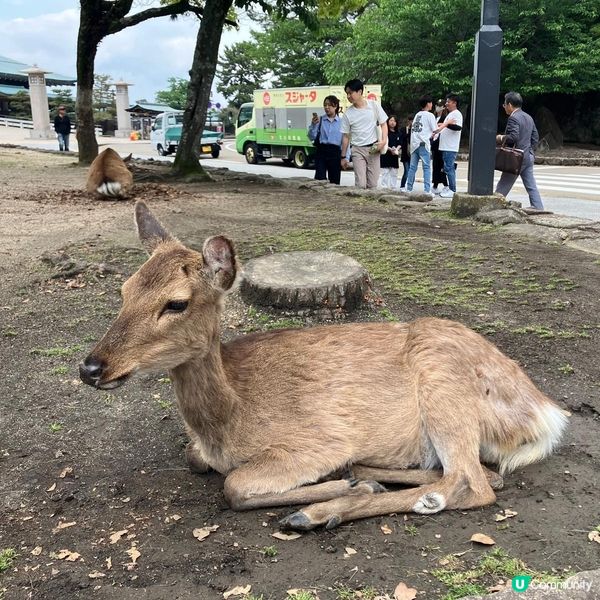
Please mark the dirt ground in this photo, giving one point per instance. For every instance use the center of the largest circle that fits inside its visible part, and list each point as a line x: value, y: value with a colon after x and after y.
x: 96, y: 500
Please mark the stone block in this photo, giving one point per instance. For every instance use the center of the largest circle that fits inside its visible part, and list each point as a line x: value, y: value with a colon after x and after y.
x: 466, y: 205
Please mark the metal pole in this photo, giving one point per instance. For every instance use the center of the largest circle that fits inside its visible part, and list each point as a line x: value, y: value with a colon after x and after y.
x: 484, y: 102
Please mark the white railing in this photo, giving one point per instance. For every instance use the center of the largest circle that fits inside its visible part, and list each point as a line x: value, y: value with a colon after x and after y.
x: 20, y: 123
x: 24, y: 124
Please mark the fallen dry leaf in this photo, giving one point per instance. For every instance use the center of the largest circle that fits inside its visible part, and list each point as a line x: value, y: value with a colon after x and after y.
x: 238, y: 590
x: 594, y: 536
x: 66, y: 471
x: 109, y: 563
x: 286, y: 536
x: 481, y: 538
x: 403, y: 592
x: 68, y: 555
x: 201, y: 533
x: 385, y: 530
x: 96, y: 575
x: 349, y: 552
x: 134, y: 553
x: 37, y: 551
x: 51, y: 488
x: 117, y: 535
x: 63, y: 525
x: 507, y: 515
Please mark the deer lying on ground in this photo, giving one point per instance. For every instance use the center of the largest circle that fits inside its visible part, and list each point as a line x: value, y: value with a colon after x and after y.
x: 279, y: 413
x: 109, y: 176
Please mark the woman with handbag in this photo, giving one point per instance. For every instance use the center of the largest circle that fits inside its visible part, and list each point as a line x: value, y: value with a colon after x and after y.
x: 389, y: 161
x: 325, y: 133
x: 521, y: 133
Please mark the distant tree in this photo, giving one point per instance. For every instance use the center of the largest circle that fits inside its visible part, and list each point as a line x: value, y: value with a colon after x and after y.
x: 19, y: 106
x: 242, y: 70
x: 61, y: 97
x: 549, y: 45
x: 104, y: 98
x: 176, y: 95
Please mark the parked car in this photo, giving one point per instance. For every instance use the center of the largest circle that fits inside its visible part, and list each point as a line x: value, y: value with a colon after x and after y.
x: 166, y: 133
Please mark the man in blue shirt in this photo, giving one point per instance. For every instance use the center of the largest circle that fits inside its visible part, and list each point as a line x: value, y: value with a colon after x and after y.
x: 326, y: 134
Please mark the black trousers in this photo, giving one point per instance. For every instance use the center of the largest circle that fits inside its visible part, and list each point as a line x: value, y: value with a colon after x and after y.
x: 328, y: 163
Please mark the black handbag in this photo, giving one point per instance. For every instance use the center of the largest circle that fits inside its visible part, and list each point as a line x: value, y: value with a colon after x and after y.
x: 508, y: 160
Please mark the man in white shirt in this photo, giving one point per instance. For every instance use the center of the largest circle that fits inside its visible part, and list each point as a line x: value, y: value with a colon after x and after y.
x: 360, y: 122
x: 423, y: 127
x: 450, y: 131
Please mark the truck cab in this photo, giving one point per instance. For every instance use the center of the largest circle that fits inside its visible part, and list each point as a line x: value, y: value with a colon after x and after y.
x: 166, y: 133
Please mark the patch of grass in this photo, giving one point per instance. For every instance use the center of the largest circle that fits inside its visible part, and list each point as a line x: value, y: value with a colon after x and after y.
x: 411, y: 530
x: 494, y: 565
x: 7, y: 557
x: 164, y: 380
x: 61, y: 370
x: 164, y: 404
x: 55, y: 427
x: 547, y: 333
x: 388, y: 315
x: 9, y: 333
x: 61, y: 351
x: 270, y: 551
x: 490, y: 328
x: 265, y: 322
x: 566, y: 369
x: 89, y: 339
x: 301, y: 595
x: 343, y: 592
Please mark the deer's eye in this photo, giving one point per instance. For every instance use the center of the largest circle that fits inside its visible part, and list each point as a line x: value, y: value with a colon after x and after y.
x: 175, y: 306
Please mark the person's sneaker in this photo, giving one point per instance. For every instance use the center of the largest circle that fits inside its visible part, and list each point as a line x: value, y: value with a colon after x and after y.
x: 448, y: 193
x: 403, y: 189
x: 436, y: 191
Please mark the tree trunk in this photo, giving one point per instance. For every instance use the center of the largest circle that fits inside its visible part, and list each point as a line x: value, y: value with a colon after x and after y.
x: 201, y: 77
x: 92, y: 29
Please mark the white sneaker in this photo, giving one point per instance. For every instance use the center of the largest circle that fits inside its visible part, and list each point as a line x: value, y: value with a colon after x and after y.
x: 447, y: 193
x: 403, y: 189
x: 437, y: 191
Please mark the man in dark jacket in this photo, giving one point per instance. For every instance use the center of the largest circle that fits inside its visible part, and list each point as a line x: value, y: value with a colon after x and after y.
x: 62, y: 126
x: 522, y: 134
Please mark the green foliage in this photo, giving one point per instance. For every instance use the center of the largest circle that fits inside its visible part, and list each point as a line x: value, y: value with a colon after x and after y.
x: 20, y: 106
x: 7, y: 556
x: 549, y: 46
x: 287, y: 50
x: 103, y: 98
x: 176, y: 95
x: 61, y: 97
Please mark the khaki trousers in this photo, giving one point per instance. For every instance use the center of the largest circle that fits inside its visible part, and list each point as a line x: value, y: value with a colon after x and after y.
x: 366, y: 167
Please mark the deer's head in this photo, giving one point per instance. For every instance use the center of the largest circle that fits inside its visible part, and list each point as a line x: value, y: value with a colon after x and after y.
x: 171, y: 307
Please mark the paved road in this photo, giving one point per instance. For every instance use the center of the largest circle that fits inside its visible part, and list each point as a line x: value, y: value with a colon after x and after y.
x: 573, y: 191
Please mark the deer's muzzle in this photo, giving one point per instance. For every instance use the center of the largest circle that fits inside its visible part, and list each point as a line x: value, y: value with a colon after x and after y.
x: 91, y: 372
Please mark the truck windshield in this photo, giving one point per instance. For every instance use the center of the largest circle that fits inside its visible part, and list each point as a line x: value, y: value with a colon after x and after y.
x: 179, y: 119
x: 245, y: 115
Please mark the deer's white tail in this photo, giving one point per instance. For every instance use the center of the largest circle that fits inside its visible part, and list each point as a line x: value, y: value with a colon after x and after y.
x: 110, y: 188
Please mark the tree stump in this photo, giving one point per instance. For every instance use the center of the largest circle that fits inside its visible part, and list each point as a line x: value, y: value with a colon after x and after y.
x: 300, y: 280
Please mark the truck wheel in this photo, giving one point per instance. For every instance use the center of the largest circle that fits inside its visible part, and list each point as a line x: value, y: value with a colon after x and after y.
x: 215, y: 151
x: 251, y: 153
x: 161, y: 150
x: 299, y: 158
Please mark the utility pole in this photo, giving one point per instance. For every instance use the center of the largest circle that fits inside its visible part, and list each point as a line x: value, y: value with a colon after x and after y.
x: 484, y: 101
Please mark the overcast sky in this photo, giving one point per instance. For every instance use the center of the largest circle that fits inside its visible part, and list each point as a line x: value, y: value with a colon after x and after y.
x: 44, y: 32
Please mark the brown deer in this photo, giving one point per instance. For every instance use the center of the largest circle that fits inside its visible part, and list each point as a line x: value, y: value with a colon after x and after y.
x: 280, y: 413
x: 108, y: 175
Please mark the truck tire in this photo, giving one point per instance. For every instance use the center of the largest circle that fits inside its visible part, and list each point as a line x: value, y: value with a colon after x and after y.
x: 161, y: 150
x: 299, y: 158
x: 216, y: 150
x: 251, y: 153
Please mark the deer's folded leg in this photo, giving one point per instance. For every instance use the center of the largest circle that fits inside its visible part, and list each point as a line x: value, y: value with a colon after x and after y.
x: 273, y: 480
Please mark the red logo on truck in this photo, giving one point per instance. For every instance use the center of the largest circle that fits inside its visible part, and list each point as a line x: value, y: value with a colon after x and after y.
x: 371, y: 96
x: 267, y: 98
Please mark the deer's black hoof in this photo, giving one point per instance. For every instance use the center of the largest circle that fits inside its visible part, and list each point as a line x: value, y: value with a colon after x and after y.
x: 298, y: 521
x: 333, y: 522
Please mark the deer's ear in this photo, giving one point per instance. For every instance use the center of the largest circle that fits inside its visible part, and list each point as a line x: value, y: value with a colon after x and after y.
x: 151, y: 232
x: 220, y: 260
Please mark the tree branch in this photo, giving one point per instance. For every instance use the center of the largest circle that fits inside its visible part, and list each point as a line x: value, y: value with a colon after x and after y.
x: 176, y: 8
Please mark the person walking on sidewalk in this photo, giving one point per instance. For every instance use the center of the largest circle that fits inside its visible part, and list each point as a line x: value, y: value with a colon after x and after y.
x: 360, y: 123
x: 521, y: 133
x: 62, y: 126
x: 326, y: 135
x: 423, y: 127
x: 450, y: 131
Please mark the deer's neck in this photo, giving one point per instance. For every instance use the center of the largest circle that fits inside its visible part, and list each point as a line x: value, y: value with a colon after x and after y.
x: 206, y: 399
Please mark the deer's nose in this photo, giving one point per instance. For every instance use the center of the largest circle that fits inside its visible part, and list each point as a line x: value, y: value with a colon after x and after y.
x: 90, y: 370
